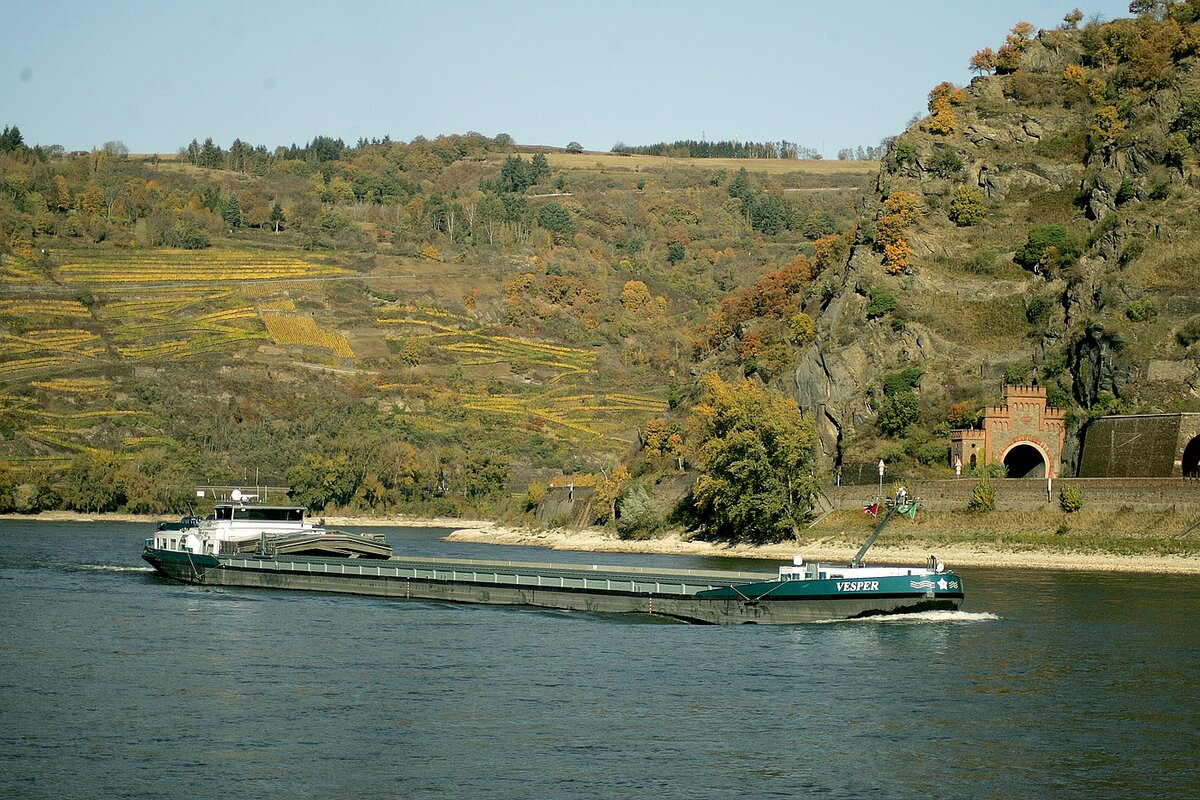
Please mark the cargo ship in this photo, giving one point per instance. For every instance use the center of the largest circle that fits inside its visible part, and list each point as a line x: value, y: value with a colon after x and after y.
x: 244, y: 544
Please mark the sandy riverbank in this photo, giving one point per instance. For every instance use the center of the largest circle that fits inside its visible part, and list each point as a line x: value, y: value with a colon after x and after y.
x: 975, y: 555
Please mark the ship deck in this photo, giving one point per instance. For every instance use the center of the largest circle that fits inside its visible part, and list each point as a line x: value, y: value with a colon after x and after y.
x: 522, y: 574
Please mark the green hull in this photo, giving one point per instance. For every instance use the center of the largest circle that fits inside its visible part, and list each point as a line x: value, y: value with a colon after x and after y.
x: 688, y: 595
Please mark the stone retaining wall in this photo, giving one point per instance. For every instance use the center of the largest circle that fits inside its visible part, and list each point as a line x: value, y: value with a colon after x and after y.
x: 1099, y: 494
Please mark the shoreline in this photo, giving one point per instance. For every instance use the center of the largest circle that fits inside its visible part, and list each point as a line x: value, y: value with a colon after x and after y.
x: 399, y: 521
x: 826, y: 548
x: 974, y: 555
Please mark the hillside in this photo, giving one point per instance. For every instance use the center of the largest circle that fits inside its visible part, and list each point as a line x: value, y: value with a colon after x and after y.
x: 1037, y: 225
x: 427, y: 327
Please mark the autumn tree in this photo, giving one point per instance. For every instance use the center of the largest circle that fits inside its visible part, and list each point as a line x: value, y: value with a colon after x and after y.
x: 757, y: 458
x: 1107, y: 125
x: 830, y: 251
x: 984, y: 61
x: 636, y: 297
x: 62, y: 194
x: 902, y: 210
x: 1008, y: 57
x: 609, y: 488
x: 942, y: 99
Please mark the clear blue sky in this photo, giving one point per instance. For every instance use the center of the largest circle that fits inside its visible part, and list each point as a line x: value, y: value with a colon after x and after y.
x: 831, y: 74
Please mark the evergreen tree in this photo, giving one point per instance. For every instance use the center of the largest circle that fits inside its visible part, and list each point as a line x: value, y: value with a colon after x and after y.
x: 210, y: 155
x: 514, y: 175
x: 277, y: 217
x: 11, y: 140
x: 556, y: 219
x: 539, y: 167
x: 233, y: 212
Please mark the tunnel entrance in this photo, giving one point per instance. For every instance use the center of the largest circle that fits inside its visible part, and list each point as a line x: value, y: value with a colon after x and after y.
x: 1191, y: 459
x: 1025, y: 461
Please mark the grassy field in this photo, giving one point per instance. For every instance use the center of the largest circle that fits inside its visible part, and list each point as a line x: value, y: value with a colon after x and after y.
x: 604, y: 160
x: 770, y: 166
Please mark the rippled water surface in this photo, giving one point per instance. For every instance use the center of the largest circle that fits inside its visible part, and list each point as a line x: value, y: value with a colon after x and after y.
x: 115, y: 683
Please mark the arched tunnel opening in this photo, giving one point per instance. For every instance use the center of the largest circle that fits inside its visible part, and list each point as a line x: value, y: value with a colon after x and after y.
x: 1191, y: 459
x: 1025, y: 461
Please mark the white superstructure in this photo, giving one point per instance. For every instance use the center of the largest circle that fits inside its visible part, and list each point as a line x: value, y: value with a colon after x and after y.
x: 231, y: 524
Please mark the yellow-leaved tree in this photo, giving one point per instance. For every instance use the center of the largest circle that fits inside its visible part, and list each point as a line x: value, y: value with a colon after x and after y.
x: 903, y: 209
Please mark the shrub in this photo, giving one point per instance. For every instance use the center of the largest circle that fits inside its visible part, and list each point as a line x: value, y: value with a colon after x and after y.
x: 1144, y: 309
x: 1041, y: 238
x: 1130, y: 252
x: 946, y: 163
x: 983, y: 496
x: 906, y: 380
x: 1127, y: 191
x: 1014, y: 374
x: 1189, y: 333
x: 983, y: 262
x: 1070, y: 498
x: 899, y: 412
x: 881, y: 302
x: 1037, y: 309
x: 966, y: 206
x: 637, y: 515
x: 1161, y: 189
x: 932, y: 453
x: 904, y: 153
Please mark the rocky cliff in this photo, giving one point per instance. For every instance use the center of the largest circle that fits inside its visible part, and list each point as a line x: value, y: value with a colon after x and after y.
x: 1038, y: 224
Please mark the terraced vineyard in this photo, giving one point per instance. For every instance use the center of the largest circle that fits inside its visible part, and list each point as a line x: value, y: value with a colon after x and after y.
x: 572, y: 406
x: 109, y: 267
x: 292, y: 329
x: 48, y: 349
x: 57, y: 436
x: 81, y: 340
x: 470, y: 344
x: 176, y: 323
x: 594, y: 414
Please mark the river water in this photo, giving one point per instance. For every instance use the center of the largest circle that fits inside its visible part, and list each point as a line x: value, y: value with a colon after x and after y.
x: 116, y: 683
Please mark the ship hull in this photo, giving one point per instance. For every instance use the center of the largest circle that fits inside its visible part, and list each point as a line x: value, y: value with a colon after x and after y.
x: 691, y: 596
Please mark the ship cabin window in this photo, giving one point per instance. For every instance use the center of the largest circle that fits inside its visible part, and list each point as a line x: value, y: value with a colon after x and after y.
x: 224, y: 512
x: 270, y: 514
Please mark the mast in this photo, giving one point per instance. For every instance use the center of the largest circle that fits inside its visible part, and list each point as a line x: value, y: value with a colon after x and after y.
x: 903, y: 503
